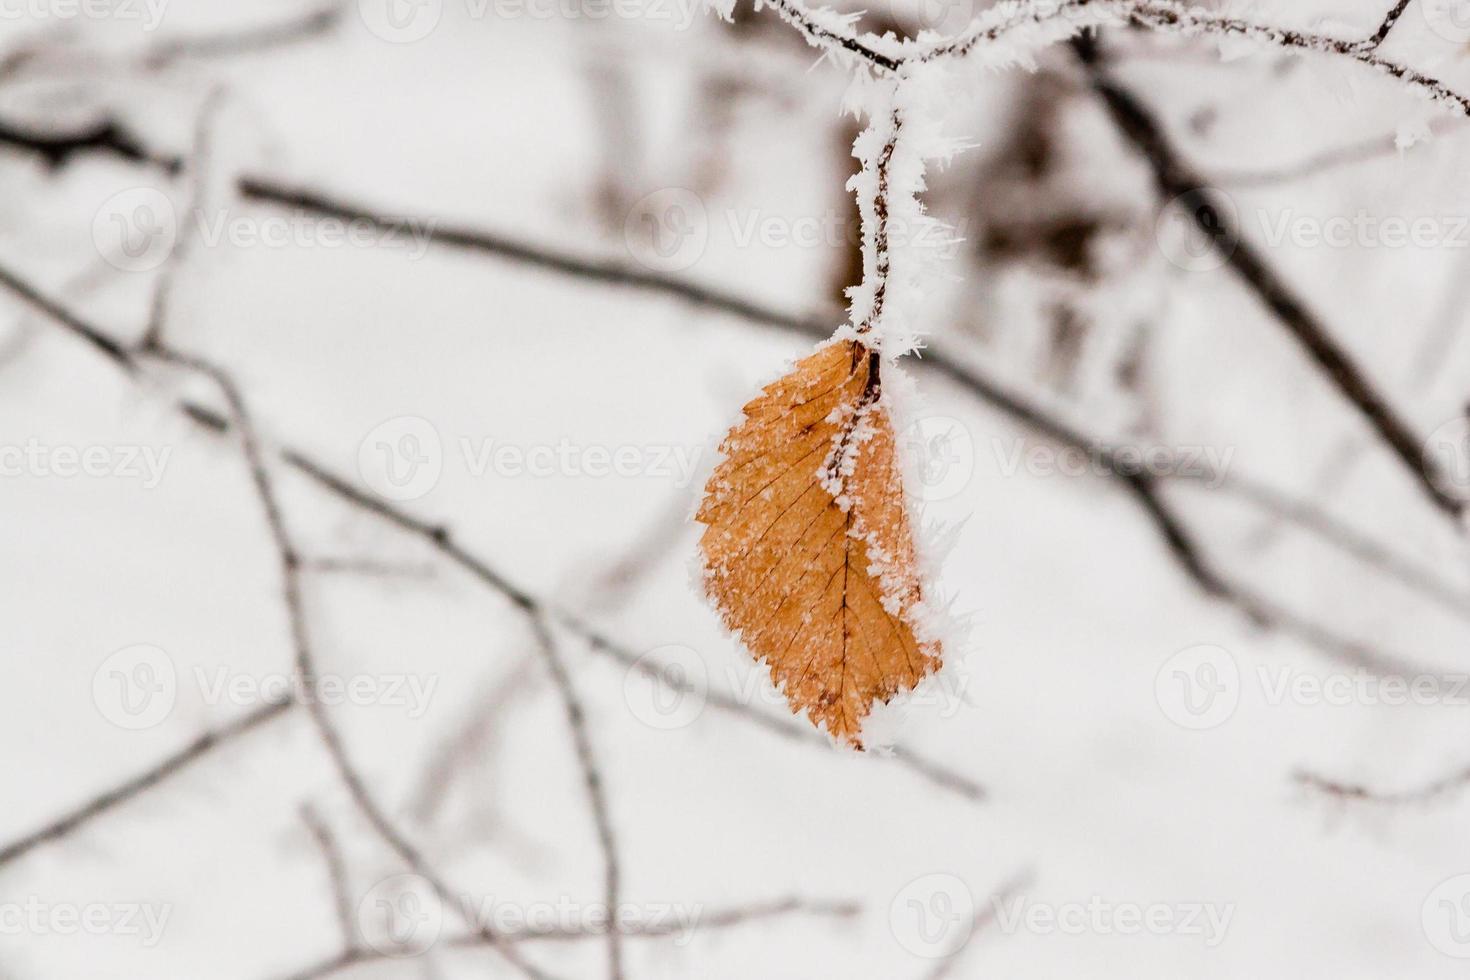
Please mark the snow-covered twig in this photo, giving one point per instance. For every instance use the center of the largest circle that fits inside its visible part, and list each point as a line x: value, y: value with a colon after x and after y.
x: 1146, y: 490
x: 1011, y: 31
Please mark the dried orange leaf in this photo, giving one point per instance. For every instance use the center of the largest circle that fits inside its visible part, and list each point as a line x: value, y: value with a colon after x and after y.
x: 808, y: 548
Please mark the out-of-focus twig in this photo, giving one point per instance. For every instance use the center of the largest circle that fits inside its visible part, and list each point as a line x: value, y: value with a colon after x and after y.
x: 442, y: 540
x: 114, y: 797
x: 1144, y: 487
x: 1307, y: 515
x: 289, y: 560
x: 984, y: 916
x: 1004, y: 21
x: 1430, y: 792
x: 1031, y: 414
x: 106, y: 135
x: 199, y: 166
x: 718, y: 920
x: 592, y: 780
x: 1326, y: 161
x: 336, y: 867
x: 372, y: 567
x: 1177, y: 181
x: 307, y: 26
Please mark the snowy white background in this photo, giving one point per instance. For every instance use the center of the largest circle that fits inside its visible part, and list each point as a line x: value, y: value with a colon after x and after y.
x: 554, y: 131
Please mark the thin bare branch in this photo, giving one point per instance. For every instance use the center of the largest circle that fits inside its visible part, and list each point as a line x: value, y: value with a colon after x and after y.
x: 289, y: 560
x: 370, y: 567
x: 305, y: 27
x: 718, y: 920
x: 72, y: 821
x: 106, y: 135
x: 984, y: 916
x: 1177, y: 181
x: 60, y: 315
x: 1431, y: 792
x: 270, y: 191
x: 1307, y: 516
x: 1067, y: 17
x: 1326, y: 161
x: 199, y: 166
x: 1143, y: 487
x: 592, y: 781
x: 336, y: 868
x: 442, y: 540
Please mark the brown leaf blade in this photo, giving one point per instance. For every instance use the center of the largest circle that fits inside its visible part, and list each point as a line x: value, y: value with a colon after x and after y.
x: 808, y: 548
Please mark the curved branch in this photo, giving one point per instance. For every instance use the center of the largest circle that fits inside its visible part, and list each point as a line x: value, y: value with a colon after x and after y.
x: 1430, y: 792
